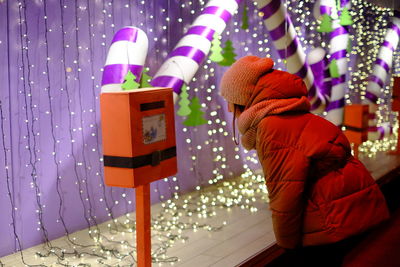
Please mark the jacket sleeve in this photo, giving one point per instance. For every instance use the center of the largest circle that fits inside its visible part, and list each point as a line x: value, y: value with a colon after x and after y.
x: 286, y: 170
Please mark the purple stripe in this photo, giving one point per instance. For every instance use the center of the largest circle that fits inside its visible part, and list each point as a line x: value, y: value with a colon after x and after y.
x: 344, y: 2
x: 219, y: 12
x: 270, y: 8
x: 338, y: 31
x: 339, y: 54
x: 187, y: 51
x: 335, y: 104
x: 318, y: 66
x: 116, y: 73
x: 372, y: 97
x: 280, y: 31
x: 395, y: 28
x: 377, y: 80
x: 388, y: 45
x: 290, y: 50
x: 238, y: 1
x: 381, y: 131
x: 302, y: 73
x: 126, y: 34
x: 339, y: 80
x: 311, y: 92
x: 316, y: 104
x: 320, y: 73
x: 326, y: 89
x: 383, y: 64
x: 168, y: 81
x: 204, y: 31
x: 325, y: 10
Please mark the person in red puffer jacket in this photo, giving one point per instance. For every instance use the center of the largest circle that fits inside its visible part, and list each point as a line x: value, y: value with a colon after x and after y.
x: 319, y: 193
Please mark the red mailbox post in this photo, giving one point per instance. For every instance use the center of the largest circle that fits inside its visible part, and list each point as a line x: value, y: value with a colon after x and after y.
x: 139, y: 147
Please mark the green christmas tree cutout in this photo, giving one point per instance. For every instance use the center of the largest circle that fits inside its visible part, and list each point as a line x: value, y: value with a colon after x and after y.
x: 130, y: 82
x: 345, y: 18
x: 333, y: 69
x: 183, y: 103
x: 195, y: 117
x: 216, y: 49
x: 228, y: 54
x: 326, y: 24
x: 245, y: 18
x: 145, y: 79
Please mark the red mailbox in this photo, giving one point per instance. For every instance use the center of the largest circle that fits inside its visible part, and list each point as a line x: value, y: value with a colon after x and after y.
x: 138, y: 136
x: 139, y: 147
x: 356, y: 123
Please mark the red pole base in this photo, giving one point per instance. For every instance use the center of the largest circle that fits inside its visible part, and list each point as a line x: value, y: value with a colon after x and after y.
x: 143, y: 220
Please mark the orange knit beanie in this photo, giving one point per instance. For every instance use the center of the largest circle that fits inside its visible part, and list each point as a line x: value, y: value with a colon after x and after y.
x: 239, y: 80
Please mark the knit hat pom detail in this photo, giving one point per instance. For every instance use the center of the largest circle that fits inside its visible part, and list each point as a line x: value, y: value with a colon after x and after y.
x: 239, y: 80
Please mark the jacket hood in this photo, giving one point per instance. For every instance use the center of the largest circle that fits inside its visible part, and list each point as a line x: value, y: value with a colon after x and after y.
x: 277, y: 84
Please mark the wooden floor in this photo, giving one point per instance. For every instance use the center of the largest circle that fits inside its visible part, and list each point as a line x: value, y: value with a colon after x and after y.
x: 245, y: 234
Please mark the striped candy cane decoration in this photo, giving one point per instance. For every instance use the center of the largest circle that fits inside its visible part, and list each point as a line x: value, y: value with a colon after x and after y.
x: 185, y: 59
x: 127, y: 52
x: 380, y: 73
x: 317, y: 57
x: 339, y: 40
x: 285, y: 39
x: 318, y: 63
x: 383, y: 62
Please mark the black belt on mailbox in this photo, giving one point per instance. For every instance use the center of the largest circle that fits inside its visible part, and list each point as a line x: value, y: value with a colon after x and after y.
x: 355, y: 129
x: 152, y: 159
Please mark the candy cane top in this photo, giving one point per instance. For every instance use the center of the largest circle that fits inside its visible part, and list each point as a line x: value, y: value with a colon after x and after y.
x: 384, y: 60
x: 184, y: 60
x: 128, y: 51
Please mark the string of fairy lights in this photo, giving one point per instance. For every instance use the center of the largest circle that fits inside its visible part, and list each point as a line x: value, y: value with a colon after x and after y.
x: 370, y: 24
x: 60, y: 92
x: 366, y: 35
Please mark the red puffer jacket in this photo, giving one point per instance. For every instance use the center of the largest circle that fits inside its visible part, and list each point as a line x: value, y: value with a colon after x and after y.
x: 319, y: 193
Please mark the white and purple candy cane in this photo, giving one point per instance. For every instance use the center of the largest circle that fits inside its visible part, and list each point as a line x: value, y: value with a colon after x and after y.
x: 383, y: 63
x: 379, y: 132
x: 185, y: 59
x: 381, y: 70
x: 286, y: 42
x: 318, y: 63
x: 127, y: 52
x: 339, y: 39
